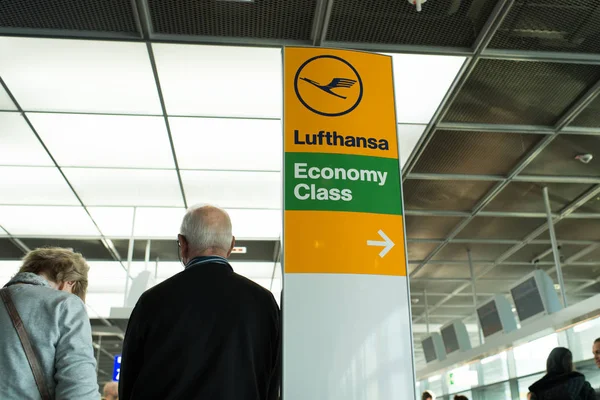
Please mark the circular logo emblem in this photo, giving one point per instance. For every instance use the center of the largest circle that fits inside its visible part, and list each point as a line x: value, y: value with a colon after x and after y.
x: 328, y: 85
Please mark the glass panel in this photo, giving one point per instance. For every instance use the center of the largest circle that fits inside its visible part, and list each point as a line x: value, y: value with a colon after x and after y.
x: 500, y: 391
x: 49, y: 221
x: 524, y: 384
x: 408, y: 136
x: 531, y: 357
x: 233, y: 189
x: 421, y: 82
x: 435, y: 386
x: 581, y: 339
x: 462, y: 378
x: 5, y: 102
x: 126, y: 187
x: 79, y: 75
x: 227, y: 144
x: 105, y: 140
x: 220, y: 81
x: 34, y: 185
x: 113, y: 221
x: 494, y: 369
x: 18, y: 144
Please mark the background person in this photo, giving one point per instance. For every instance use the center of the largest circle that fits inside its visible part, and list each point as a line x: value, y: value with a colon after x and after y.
x: 111, y: 391
x: 426, y: 396
x: 596, y: 351
x: 205, y: 333
x: 57, y: 325
x: 561, y: 380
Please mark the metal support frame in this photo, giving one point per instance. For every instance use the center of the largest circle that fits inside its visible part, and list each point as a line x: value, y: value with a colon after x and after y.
x: 594, y: 191
x: 514, y: 263
x: 99, y: 348
x: 145, y: 24
x: 426, y: 310
x: 147, y: 254
x: 474, y: 289
x: 588, y: 180
x: 130, y: 256
x: 505, y: 241
x: 321, y: 22
x: 486, y: 34
x: 23, y: 114
x: 567, y: 117
x: 17, y: 242
x: 276, y: 259
x: 495, y: 214
x: 555, y: 250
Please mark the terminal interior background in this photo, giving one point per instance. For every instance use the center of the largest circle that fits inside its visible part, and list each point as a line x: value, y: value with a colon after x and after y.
x: 116, y: 115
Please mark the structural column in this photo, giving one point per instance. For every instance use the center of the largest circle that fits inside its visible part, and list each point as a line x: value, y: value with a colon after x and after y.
x: 346, y: 320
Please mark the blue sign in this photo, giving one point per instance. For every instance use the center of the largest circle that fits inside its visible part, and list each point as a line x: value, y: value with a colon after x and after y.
x: 117, y: 368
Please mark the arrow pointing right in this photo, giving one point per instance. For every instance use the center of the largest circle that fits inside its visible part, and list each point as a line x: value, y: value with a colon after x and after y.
x: 387, y: 243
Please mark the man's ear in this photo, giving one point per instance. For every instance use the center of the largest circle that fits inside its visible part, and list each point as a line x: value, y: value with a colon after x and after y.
x: 232, y: 246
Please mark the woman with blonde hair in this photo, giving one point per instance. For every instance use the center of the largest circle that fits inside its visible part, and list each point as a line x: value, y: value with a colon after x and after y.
x: 45, y: 334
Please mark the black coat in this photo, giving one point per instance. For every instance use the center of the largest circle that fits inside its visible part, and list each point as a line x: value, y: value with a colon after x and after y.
x: 571, y: 386
x: 206, y: 333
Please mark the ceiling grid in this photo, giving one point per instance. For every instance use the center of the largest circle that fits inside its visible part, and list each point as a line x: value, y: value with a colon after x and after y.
x: 510, y: 101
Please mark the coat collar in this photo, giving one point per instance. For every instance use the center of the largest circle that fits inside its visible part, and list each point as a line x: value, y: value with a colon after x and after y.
x: 28, y: 278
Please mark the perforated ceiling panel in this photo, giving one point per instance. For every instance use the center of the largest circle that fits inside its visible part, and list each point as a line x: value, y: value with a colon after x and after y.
x: 385, y: 21
x: 521, y: 92
x: 590, y: 116
x: 266, y: 19
x: 528, y: 196
x: 443, y: 195
x: 429, y: 227
x: 578, y: 229
x: 559, y: 157
x: 114, y: 16
x: 455, y: 152
x: 532, y: 252
x: 458, y: 251
x: 551, y: 25
x: 500, y: 228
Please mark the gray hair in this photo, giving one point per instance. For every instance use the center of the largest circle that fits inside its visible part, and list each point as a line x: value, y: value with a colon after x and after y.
x: 206, y: 227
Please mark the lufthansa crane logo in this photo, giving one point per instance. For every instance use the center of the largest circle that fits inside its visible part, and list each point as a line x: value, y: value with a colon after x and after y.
x: 328, y: 85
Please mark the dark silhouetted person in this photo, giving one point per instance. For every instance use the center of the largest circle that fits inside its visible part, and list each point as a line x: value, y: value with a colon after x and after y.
x: 206, y: 333
x: 561, y: 381
x: 460, y: 397
x: 426, y: 396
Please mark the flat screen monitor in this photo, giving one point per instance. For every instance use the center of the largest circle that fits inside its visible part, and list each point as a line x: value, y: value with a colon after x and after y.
x: 450, y: 339
x: 429, y: 349
x: 527, y: 298
x: 489, y: 319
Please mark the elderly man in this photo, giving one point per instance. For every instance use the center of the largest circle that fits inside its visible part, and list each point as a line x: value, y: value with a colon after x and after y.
x: 111, y: 391
x: 205, y: 333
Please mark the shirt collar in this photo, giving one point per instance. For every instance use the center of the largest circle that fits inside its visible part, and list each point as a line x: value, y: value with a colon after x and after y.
x: 29, y: 278
x: 208, y: 260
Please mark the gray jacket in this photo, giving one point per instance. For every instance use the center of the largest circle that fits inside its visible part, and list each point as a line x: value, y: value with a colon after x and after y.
x: 60, y: 332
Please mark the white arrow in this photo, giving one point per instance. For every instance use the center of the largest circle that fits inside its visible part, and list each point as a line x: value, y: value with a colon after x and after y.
x: 387, y: 243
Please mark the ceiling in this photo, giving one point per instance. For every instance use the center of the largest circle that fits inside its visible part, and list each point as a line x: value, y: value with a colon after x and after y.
x: 116, y: 115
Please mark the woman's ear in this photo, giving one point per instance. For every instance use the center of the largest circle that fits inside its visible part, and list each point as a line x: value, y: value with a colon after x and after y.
x: 66, y: 286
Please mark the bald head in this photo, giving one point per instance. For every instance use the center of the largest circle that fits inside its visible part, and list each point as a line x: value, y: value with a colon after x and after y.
x: 206, y: 231
x: 111, y: 391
